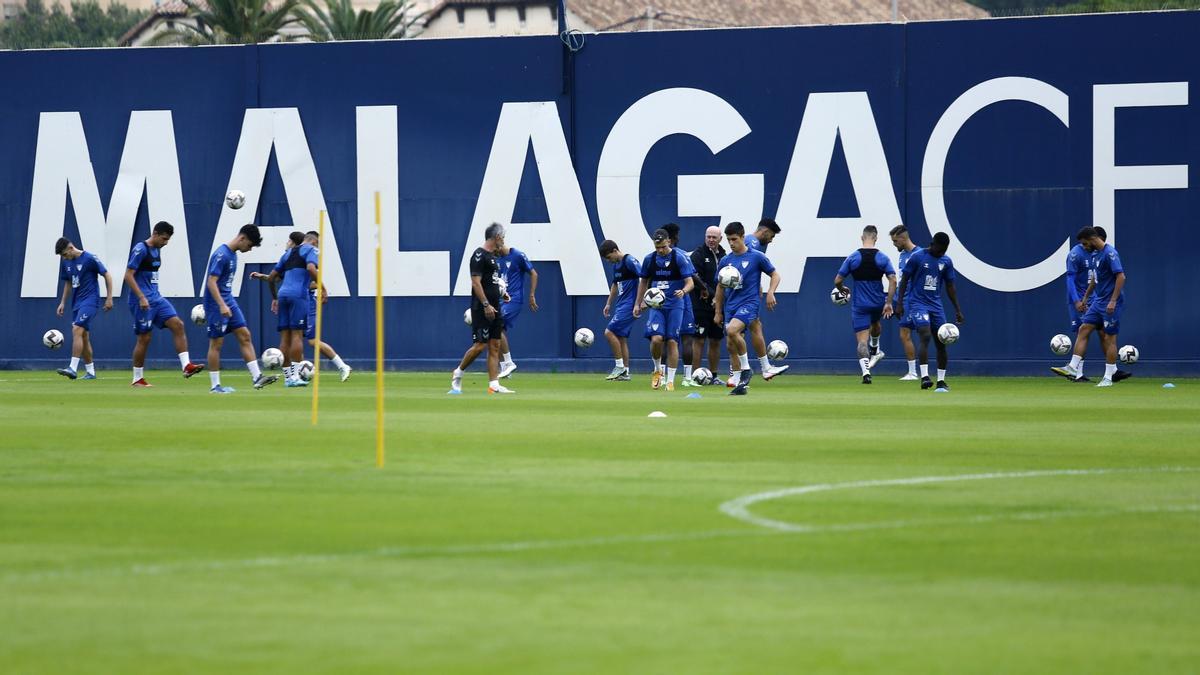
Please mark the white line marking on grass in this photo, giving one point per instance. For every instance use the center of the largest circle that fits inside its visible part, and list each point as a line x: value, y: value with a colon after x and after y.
x: 740, y: 508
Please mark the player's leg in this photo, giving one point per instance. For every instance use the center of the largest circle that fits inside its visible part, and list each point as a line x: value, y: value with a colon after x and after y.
x: 876, y: 353
x: 714, y: 354
x: 493, y: 362
x: 77, y: 340
x: 656, y: 355
x: 87, y: 356
x: 674, y: 318
x: 1108, y: 341
x: 165, y: 317
x: 924, y: 335
x: 686, y: 351
x: 509, y: 312
x: 1074, y: 370
x: 614, y: 344
x: 936, y: 320
x: 246, y: 347
x: 625, y: 355
x: 910, y: 350
x: 760, y: 348
x: 863, y: 350
x: 140, y: 345
x: 214, y: 361
x: 734, y: 332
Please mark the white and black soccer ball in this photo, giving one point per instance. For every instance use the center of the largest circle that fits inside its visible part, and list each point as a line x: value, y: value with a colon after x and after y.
x: 305, y: 371
x: 584, y: 338
x: 1061, y: 344
x: 729, y: 276
x: 948, y: 334
x: 236, y: 199
x: 839, y: 298
x: 272, y: 358
x: 702, y: 376
x: 52, y: 339
x: 654, y: 297
x: 198, y: 316
x: 467, y: 316
x: 1127, y: 354
x: 777, y: 350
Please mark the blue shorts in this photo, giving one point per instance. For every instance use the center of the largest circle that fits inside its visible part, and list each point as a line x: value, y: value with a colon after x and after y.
x: 509, y: 311
x: 746, y: 312
x: 83, y: 312
x: 219, y: 326
x: 156, y: 316
x: 665, y: 322
x: 621, y: 322
x: 861, y: 318
x: 1075, y: 317
x: 310, y: 329
x: 1098, y: 316
x: 293, y: 313
x: 923, y: 316
x: 688, y: 327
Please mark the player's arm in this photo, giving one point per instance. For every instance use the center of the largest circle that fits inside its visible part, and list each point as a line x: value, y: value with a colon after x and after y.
x: 887, y: 303
x: 215, y: 294
x: 640, y: 300
x: 952, y: 293
x: 312, y: 274
x: 131, y: 284
x: 1071, y: 292
x: 900, y: 294
x: 719, y: 305
x: 612, y: 297
x: 108, y: 291
x: 477, y: 291
x: 269, y: 278
x: 1086, y: 295
x: 62, y: 304
x: 839, y: 283
x: 688, y: 285
x: 775, y: 279
x: 1120, y: 285
x: 533, y: 278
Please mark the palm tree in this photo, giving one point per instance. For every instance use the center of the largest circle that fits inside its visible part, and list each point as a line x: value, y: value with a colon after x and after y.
x: 220, y: 22
x: 338, y: 20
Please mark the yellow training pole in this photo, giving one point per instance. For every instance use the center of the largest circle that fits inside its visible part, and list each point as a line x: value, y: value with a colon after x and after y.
x: 320, y: 298
x: 378, y: 335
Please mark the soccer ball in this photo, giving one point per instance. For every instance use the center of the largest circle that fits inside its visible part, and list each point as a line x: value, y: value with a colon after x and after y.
x: 467, y: 316
x: 305, y: 370
x: 584, y: 338
x: 52, y: 339
x: 702, y: 376
x: 198, y: 317
x: 1060, y: 344
x: 654, y: 298
x: 236, y: 199
x: 839, y: 298
x: 1128, y: 354
x: 729, y: 276
x: 777, y: 350
x: 948, y: 334
x: 272, y: 358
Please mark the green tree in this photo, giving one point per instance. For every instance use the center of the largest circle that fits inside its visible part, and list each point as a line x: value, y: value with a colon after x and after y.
x: 87, y: 25
x: 221, y: 22
x: 338, y: 20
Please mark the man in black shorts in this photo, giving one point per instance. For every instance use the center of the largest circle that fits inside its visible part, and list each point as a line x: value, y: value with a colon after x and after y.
x: 486, y: 323
x: 705, y: 259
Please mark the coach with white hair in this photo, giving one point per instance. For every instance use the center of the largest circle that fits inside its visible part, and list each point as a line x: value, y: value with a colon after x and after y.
x: 705, y: 259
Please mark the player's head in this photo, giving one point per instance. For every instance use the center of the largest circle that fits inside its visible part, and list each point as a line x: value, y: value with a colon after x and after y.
x: 939, y: 245
x: 900, y: 238
x: 295, y: 239
x: 870, y: 235
x: 767, y: 229
x: 662, y: 241
x: 161, y: 235
x: 312, y: 238
x: 247, y: 238
x: 1090, y: 239
x: 494, y: 234
x: 1100, y: 232
x: 609, y: 251
x: 672, y: 230
x: 712, y: 237
x: 66, y: 248
x: 735, y: 232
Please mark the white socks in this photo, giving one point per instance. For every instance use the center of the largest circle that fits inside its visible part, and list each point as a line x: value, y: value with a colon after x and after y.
x: 137, y: 373
x: 620, y: 363
x: 506, y: 358
x: 941, y: 375
x: 494, y: 384
x: 874, y: 342
x: 764, y: 363
x: 924, y: 370
x: 1076, y: 362
x: 744, y: 361
x: 865, y: 364
x: 657, y: 364
x: 184, y: 359
x: 1109, y: 370
x: 912, y: 367
x: 75, y: 363
x: 671, y: 374
x: 214, y: 377
x: 338, y: 362
x: 91, y: 368
x: 687, y: 372
x: 255, y: 371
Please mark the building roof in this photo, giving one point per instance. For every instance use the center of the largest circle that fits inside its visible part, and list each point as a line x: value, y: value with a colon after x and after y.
x: 170, y: 9
x: 629, y: 15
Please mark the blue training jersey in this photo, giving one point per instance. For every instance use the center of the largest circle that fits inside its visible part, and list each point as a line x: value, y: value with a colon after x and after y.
x: 668, y: 273
x: 753, y: 243
x: 926, y: 275
x: 1108, y: 266
x: 868, y: 271
x: 145, y: 261
x: 82, y: 273
x: 752, y: 265
x: 222, y: 265
x: 1079, y: 272
x: 625, y: 275
x: 904, y: 256
x: 515, y: 266
x: 294, y: 268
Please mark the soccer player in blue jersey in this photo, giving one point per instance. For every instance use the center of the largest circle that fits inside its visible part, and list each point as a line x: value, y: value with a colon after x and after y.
x: 925, y: 273
x: 868, y: 304
x: 78, y: 271
x: 514, y: 264
x: 671, y: 271
x: 149, y: 308
x: 622, y: 296
x: 297, y: 267
x: 741, y: 304
x: 1081, y: 274
x: 903, y: 243
x: 1107, y: 302
x: 222, y: 311
x: 313, y: 238
x: 687, y: 330
x: 759, y: 241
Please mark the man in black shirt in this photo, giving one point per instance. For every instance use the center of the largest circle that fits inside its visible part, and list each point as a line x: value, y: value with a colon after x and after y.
x: 486, y: 323
x: 705, y: 259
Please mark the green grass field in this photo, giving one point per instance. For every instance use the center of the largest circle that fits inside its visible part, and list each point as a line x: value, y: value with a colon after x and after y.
x: 560, y: 530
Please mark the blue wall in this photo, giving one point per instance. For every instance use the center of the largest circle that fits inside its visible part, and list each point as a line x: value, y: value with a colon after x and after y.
x: 1017, y: 182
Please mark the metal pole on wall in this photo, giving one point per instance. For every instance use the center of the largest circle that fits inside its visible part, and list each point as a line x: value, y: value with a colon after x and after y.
x: 895, y: 10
